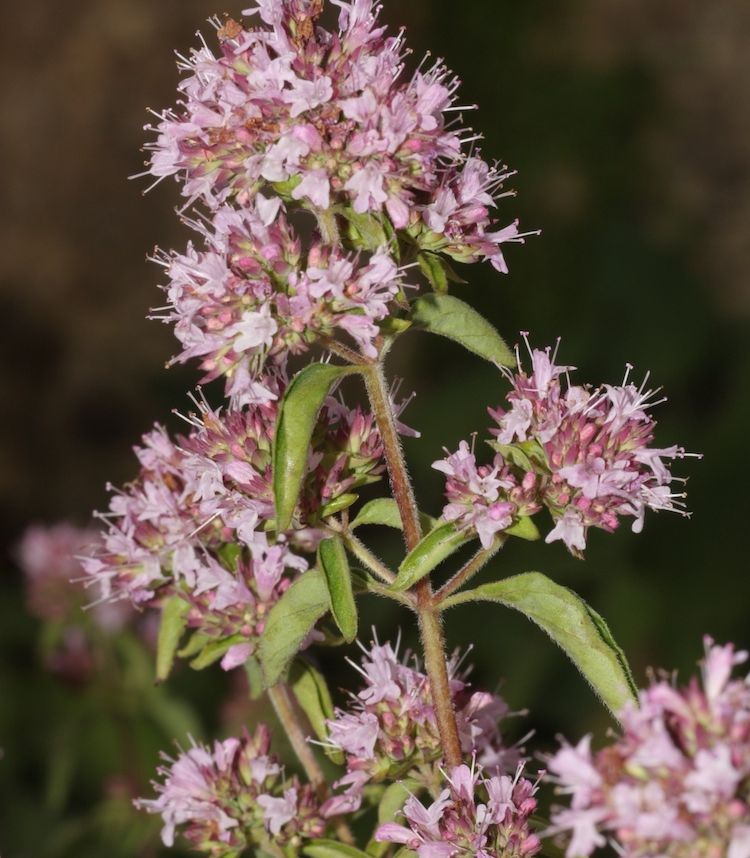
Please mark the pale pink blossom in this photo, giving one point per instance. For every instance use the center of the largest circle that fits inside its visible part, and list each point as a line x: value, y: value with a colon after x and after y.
x: 474, y: 815
x: 674, y: 781
x: 591, y: 448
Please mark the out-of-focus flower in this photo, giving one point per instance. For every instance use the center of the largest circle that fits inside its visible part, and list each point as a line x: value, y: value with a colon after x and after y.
x: 49, y: 557
x: 675, y: 784
x: 232, y: 797
x: 473, y: 815
x: 391, y: 728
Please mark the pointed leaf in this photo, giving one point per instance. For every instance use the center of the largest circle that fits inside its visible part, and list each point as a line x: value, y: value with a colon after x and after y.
x: 433, y: 269
x: 393, y: 800
x: 435, y: 547
x: 340, y: 503
x: 335, y: 565
x: 195, y: 644
x: 290, y: 621
x: 214, y: 650
x: 449, y: 317
x: 332, y: 849
x: 524, y: 528
x: 171, y: 628
x: 572, y: 624
x: 298, y: 414
x: 254, y: 674
x: 384, y: 511
x: 365, y: 230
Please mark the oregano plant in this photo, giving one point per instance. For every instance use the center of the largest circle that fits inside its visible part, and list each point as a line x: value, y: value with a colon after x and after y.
x: 337, y: 198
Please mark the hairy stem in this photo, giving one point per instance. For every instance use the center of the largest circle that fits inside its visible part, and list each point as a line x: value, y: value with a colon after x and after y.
x: 283, y: 705
x: 433, y: 642
x: 364, y: 555
x: 329, y: 228
x: 344, y: 352
x: 476, y: 564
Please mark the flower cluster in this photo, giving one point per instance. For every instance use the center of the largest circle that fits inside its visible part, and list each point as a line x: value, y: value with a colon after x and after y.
x: 248, y: 299
x: 196, y: 521
x: 488, y: 498
x: 233, y: 797
x: 473, y: 815
x: 391, y: 729
x: 287, y: 120
x: 582, y: 452
x: 675, y: 784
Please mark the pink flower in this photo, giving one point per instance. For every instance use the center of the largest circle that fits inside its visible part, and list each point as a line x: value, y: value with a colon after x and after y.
x: 222, y: 798
x: 391, y: 727
x: 474, y: 815
x: 591, y: 449
x: 673, y: 782
x: 195, y: 521
x: 487, y: 498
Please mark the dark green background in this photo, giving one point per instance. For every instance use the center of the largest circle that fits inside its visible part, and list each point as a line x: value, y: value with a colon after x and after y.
x: 629, y: 124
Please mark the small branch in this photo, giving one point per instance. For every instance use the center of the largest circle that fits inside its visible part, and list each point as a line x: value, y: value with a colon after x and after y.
x: 283, y: 705
x: 328, y: 226
x: 344, y: 352
x: 475, y: 565
x: 364, y: 555
x: 431, y: 631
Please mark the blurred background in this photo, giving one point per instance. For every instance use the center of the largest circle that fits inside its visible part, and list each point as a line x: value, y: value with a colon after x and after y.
x: 629, y: 124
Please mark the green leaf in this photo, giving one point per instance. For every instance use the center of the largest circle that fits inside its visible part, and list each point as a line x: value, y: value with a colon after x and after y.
x: 335, y: 566
x: 394, y: 799
x: 365, y: 230
x: 338, y: 504
x: 438, y: 271
x: 572, y: 624
x: 528, y: 455
x: 331, y: 849
x: 524, y: 528
x: 214, y: 650
x: 435, y: 547
x: 171, y: 628
x: 449, y: 317
x: 393, y: 326
x: 311, y: 690
x: 290, y: 621
x: 384, y: 511
x: 391, y: 803
x: 254, y: 674
x: 194, y: 645
x: 229, y: 554
x: 298, y: 414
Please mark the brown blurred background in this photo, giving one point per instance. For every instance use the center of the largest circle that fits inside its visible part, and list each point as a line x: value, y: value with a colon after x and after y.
x: 629, y: 123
